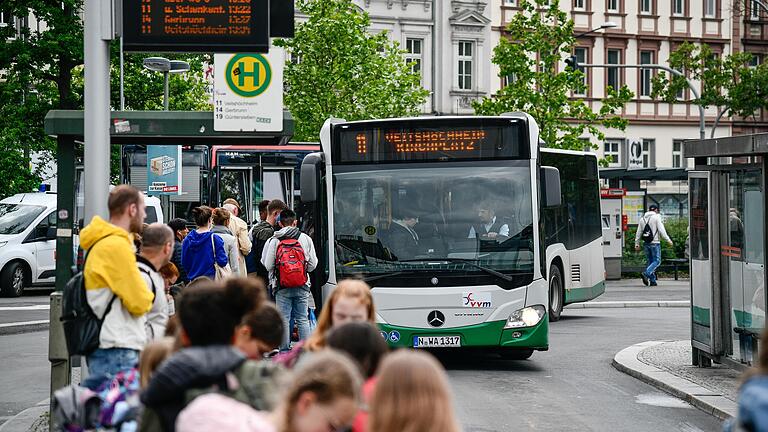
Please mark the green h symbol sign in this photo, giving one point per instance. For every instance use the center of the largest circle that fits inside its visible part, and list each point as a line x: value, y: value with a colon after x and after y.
x: 254, y: 74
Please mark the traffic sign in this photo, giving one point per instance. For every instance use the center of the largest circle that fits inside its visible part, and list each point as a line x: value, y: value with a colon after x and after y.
x: 248, y: 91
x: 196, y: 26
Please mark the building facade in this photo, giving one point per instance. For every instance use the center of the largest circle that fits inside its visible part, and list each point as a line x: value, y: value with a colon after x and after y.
x: 447, y: 41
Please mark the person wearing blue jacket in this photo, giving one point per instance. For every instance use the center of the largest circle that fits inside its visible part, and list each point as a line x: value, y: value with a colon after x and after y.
x: 752, y: 414
x: 197, y: 250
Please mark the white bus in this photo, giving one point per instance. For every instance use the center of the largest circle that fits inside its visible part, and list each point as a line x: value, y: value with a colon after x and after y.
x: 459, y: 226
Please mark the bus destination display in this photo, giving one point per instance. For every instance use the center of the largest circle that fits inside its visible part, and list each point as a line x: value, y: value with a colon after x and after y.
x: 196, y: 25
x: 428, y: 144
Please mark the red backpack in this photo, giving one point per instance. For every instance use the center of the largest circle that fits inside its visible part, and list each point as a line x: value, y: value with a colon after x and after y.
x: 290, y: 264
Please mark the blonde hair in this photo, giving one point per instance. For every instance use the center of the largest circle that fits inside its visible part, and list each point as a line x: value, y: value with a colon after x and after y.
x: 411, y: 395
x: 154, y: 353
x: 327, y: 374
x: 350, y: 288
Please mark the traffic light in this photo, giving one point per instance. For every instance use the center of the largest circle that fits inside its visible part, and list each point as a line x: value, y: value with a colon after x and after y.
x: 572, y: 62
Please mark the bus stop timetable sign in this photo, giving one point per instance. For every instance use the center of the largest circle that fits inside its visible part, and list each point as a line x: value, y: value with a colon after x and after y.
x: 196, y: 25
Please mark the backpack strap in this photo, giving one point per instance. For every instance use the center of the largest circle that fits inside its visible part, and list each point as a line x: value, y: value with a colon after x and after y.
x: 85, y: 260
x: 151, y: 281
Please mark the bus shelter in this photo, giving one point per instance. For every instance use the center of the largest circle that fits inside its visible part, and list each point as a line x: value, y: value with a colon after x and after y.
x: 727, y: 247
x: 192, y: 130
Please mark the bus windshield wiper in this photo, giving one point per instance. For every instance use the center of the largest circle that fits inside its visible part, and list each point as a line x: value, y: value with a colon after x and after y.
x: 490, y: 271
x: 381, y: 276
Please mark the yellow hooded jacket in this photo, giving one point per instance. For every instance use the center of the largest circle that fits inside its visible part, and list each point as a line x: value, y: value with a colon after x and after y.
x: 110, y: 270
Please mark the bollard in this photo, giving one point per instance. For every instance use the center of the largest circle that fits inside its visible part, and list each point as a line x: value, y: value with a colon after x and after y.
x: 61, y: 372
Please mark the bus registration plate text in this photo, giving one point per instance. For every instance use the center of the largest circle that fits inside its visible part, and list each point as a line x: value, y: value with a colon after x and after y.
x: 436, y: 341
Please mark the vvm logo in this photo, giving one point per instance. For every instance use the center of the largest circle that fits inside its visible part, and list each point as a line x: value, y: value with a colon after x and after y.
x: 477, y: 300
x: 248, y: 75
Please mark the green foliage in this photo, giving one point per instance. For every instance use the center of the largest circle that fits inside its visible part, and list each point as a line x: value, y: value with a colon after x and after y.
x: 727, y: 81
x: 539, y: 38
x: 677, y: 229
x: 42, y: 70
x: 36, y: 77
x: 337, y: 68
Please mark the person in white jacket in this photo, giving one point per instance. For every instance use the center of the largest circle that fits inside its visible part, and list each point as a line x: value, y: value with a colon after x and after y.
x: 221, y: 217
x: 292, y: 301
x: 653, y: 248
x: 156, y: 251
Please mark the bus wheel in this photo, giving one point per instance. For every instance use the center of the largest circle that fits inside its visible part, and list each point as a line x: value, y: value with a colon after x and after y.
x: 555, y: 293
x: 516, y: 354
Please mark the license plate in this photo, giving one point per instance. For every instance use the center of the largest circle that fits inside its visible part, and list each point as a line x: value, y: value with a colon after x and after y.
x: 436, y: 341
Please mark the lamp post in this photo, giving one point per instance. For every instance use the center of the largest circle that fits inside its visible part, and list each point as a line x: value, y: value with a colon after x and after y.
x: 574, y: 64
x: 605, y: 25
x: 167, y: 67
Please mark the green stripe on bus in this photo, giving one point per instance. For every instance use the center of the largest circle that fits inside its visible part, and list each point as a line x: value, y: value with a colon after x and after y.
x: 575, y: 295
x: 489, y: 334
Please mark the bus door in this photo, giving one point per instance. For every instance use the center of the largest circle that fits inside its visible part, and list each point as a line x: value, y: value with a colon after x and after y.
x: 237, y: 182
x: 278, y: 184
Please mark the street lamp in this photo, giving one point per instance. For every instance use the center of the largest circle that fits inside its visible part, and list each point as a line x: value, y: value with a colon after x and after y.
x: 606, y: 25
x: 167, y: 67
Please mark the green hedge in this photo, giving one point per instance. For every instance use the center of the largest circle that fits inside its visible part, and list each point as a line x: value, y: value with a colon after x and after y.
x: 677, y: 228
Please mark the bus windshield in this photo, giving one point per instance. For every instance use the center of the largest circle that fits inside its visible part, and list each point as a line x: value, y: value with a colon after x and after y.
x: 429, y: 217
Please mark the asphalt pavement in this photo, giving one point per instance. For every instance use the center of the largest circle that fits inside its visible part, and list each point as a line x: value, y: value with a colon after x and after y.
x: 571, y: 387
x: 32, y: 306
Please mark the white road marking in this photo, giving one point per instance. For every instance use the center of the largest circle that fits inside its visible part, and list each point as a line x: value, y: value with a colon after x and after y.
x: 662, y: 400
x: 25, y: 308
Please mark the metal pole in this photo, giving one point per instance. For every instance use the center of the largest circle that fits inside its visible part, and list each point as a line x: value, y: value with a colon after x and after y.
x: 122, y: 74
x: 96, y: 131
x: 702, y: 132
x: 165, y: 91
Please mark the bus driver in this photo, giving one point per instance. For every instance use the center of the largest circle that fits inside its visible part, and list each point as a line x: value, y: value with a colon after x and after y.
x: 489, y: 227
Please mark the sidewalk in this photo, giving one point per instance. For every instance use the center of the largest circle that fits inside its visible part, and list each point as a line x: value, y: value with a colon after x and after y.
x: 632, y: 293
x: 667, y: 366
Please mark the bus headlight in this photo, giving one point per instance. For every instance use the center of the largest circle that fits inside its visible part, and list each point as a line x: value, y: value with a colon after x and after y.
x: 526, y: 317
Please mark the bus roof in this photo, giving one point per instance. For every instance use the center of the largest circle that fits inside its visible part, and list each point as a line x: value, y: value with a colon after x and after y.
x: 400, y: 119
x: 569, y: 152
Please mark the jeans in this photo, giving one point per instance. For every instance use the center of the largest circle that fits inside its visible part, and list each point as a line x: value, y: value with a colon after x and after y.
x: 104, y: 364
x: 653, y: 256
x: 293, y: 302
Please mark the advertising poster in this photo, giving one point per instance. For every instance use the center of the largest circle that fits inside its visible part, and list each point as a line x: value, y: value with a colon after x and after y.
x: 163, y: 170
x: 634, y: 207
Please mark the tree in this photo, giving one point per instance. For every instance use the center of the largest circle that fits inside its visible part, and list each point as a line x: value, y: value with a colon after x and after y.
x: 42, y: 70
x: 727, y: 82
x: 337, y: 68
x: 36, y: 77
x: 540, y: 36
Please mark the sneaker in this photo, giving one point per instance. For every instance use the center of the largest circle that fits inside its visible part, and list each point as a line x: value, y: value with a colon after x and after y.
x: 654, y: 284
x: 644, y: 278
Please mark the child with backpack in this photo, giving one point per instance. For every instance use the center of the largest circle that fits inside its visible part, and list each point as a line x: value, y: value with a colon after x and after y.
x: 289, y: 256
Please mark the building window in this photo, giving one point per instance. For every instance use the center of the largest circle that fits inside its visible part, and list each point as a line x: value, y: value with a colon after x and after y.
x: 646, y: 7
x: 613, y: 6
x: 579, y: 4
x: 465, y: 65
x: 709, y: 8
x: 510, y: 2
x: 413, y: 53
x: 677, y: 154
x: 754, y: 10
x: 612, y: 152
x: 755, y: 61
x: 648, y: 145
x: 508, y: 79
x: 646, y: 75
x: 613, y: 56
x: 581, y: 58
x: 678, y: 7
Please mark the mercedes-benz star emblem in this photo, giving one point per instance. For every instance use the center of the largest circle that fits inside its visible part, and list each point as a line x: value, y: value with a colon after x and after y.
x: 435, y: 281
x: 436, y: 318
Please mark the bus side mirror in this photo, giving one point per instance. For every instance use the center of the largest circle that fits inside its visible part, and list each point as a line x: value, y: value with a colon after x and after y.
x: 310, y: 177
x: 550, y: 187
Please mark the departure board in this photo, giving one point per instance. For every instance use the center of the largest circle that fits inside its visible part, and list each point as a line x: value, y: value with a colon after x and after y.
x: 196, y: 25
x: 436, y: 139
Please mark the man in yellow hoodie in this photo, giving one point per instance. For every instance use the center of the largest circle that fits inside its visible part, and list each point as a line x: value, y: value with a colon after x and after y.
x: 114, y: 286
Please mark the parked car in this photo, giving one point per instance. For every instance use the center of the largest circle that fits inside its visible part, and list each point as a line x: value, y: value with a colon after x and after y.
x: 28, y: 240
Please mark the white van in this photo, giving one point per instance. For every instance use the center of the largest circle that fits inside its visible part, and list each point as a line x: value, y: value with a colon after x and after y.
x: 28, y: 240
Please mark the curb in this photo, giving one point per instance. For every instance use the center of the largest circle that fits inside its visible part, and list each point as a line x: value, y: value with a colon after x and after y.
x: 27, y: 419
x: 630, y: 304
x: 706, y: 400
x: 23, y: 327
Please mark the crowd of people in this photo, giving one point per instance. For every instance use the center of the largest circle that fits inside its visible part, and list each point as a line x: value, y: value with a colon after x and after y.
x: 192, y: 323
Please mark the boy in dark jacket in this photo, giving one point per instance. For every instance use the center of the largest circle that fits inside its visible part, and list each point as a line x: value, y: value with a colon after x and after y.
x: 261, y: 233
x: 180, y: 231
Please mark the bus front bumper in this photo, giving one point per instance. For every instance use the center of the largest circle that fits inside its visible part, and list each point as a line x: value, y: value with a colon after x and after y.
x: 489, y: 334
